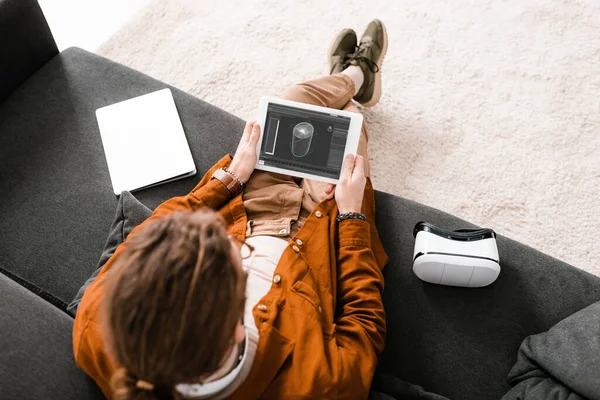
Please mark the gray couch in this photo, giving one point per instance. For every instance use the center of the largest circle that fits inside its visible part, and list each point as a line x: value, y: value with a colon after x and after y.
x: 57, y: 205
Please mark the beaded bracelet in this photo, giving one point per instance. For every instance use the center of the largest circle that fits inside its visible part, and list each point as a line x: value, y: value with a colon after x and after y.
x: 235, y: 176
x: 350, y: 215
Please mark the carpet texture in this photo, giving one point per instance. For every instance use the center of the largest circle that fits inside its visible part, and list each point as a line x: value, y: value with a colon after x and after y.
x: 490, y: 109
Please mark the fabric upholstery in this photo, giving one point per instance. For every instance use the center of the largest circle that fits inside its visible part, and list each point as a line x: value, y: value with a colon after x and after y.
x: 58, y: 203
x: 461, y: 343
x: 393, y: 388
x: 25, y: 43
x: 563, y: 363
x: 130, y: 213
x: 36, y: 353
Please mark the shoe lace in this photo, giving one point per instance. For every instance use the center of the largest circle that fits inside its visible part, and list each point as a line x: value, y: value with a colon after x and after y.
x: 360, y: 55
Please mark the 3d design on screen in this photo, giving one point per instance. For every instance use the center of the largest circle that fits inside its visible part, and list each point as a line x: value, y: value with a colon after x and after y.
x: 307, y: 141
x: 302, y: 138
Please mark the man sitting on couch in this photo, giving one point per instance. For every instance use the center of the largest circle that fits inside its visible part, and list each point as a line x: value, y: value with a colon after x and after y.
x: 254, y: 284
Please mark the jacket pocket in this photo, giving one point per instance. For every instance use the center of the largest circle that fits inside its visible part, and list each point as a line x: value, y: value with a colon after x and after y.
x: 308, y: 303
x: 308, y: 293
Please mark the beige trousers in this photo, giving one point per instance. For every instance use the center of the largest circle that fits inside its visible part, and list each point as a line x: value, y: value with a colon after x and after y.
x: 278, y: 205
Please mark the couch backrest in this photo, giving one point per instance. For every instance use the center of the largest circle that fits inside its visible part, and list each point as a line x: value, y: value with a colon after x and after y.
x: 25, y: 43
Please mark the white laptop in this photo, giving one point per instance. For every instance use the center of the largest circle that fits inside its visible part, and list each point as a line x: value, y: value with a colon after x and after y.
x: 144, y: 142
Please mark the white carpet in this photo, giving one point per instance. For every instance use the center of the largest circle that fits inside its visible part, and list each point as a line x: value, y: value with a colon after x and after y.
x: 490, y: 109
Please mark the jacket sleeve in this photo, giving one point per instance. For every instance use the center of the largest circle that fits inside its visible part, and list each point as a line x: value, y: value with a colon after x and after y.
x: 88, y: 347
x: 360, y: 322
x: 210, y: 193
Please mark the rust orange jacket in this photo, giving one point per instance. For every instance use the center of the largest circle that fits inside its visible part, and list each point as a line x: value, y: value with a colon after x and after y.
x: 324, y: 326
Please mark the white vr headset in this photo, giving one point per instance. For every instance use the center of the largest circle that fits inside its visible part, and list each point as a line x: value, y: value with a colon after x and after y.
x: 466, y: 257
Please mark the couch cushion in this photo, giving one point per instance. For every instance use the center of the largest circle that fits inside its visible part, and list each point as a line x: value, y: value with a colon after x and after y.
x: 36, y: 350
x: 57, y: 202
x: 563, y: 363
x: 457, y: 342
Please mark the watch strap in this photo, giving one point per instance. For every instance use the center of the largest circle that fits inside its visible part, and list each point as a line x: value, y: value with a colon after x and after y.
x: 233, y: 185
x: 350, y: 215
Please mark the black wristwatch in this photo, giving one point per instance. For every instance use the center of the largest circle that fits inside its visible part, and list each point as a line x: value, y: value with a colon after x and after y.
x: 350, y: 215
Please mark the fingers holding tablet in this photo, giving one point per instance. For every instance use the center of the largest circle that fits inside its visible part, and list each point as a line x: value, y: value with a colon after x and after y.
x: 350, y: 190
x: 245, y: 156
x: 248, y: 131
x: 329, y: 190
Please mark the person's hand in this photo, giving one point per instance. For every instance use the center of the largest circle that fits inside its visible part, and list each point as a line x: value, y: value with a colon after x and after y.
x: 350, y: 190
x: 244, y: 159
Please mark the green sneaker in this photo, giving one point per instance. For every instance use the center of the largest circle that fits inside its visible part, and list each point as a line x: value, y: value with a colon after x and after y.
x: 341, y: 48
x: 369, y: 57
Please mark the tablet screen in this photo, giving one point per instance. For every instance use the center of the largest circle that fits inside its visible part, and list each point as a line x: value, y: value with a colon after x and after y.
x: 307, y: 141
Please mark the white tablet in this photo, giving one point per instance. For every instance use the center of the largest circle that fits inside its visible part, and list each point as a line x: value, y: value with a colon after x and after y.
x: 306, y: 141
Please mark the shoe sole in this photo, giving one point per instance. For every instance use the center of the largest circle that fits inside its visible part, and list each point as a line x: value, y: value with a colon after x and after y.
x: 332, y: 46
x: 377, y: 90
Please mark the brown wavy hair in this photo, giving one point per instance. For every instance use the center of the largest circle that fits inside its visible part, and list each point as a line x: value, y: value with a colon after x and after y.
x: 173, y: 300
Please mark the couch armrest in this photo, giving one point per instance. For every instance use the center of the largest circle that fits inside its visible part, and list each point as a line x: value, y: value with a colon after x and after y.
x: 36, y: 349
x: 26, y: 43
